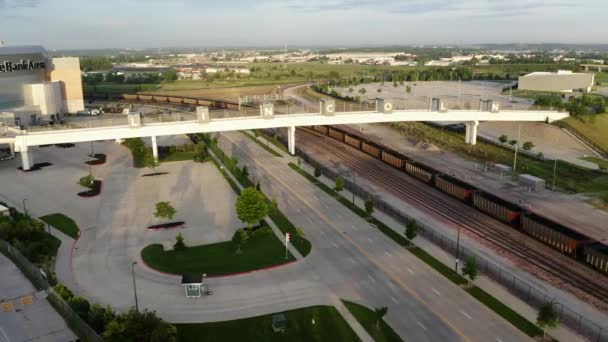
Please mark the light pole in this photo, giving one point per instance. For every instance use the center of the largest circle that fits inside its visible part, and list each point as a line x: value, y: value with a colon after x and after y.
x: 516, y: 147
x: 134, y: 285
x: 24, y: 208
x: 457, y: 251
x: 554, y: 173
x: 353, y: 187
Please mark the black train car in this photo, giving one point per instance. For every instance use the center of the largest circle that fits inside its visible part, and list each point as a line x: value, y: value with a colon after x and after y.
x: 370, y: 149
x: 336, y: 134
x: 321, y: 129
x: 552, y: 234
x: 352, y: 141
x: 420, y: 171
x: 596, y: 255
x: 392, y: 160
x: 454, y: 187
x: 496, y: 207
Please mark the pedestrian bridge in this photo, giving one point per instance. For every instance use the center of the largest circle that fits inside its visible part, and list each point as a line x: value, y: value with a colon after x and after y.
x: 204, y: 121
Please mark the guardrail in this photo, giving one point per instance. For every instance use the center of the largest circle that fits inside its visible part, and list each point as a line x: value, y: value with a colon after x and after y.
x: 519, y: 287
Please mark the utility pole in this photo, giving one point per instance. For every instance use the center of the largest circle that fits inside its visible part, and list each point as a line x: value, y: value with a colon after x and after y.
x: 457, y: 251
x: 24, y: 208
x: 554, y: 174
x: 134, y: 285
x: 516, y: 146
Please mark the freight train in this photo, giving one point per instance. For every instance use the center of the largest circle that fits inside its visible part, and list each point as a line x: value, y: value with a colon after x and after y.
x: 550, y: 233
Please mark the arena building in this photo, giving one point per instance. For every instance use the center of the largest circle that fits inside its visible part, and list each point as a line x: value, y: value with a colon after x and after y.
x: 562, y: 81
x: 35, y: 88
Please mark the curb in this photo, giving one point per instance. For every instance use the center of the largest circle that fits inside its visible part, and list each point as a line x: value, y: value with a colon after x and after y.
x: 215, y: 276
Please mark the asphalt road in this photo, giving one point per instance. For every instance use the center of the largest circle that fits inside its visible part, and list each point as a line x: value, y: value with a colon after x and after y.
x: 358, y: 262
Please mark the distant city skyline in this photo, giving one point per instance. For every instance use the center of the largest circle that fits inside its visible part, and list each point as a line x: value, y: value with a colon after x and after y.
x: 90, y: 24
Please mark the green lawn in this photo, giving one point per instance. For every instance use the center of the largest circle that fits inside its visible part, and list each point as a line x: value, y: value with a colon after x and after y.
x: 62, y: 223
x: 594, y: 128
x: 328, y: 326
x: 176, y: 156
x: 602, y: 163
x: 367, y: 318
x: 216, y: 259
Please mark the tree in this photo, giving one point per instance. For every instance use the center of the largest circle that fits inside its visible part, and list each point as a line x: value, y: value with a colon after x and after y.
x: 180, y: 244
x: 512, y: 142
x: 164, y: 210
x: 528, y: 145
x: 80, y: 306
x: 470, y: 268
x: 380, y: 313
x: 169, y: 76
x: 245, y: 171
x: 547, y: 317
x: 369, y: 206
x: 503, y: 139
x: 202, y: 153
x: 411, y: 229
x: 239, y: 238
x: 299, y: 232
x: 139, y: 326
x: 150, y: 161
x: 339, y: 184
x: 100, y: 317
x: 251, y: 206
x: 274, y: 206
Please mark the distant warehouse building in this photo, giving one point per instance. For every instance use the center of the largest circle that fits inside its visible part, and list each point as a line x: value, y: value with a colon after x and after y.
x: 561, y: 81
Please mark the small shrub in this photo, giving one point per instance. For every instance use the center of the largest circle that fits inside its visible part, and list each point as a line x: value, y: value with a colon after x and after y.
x: 81, y: 306
x: 317, y: 172
x: 528, y: 145
x: 87, y: 181
x: 411, y: 229
x: 369, y: 207
x: 512, y: 142
x: 63, y: 291
x: 339, y: 183
x: 503, y: 139
x: 180, y: 244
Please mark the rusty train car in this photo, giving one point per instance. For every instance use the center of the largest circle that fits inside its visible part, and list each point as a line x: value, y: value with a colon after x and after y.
x: 552, y: 234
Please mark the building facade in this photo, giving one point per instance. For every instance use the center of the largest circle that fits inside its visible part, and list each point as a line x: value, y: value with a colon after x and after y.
x: 35, y: 87
x: 561, y: 81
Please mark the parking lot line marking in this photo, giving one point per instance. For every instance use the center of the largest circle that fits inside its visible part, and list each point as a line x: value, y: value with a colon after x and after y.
x: 4, y: 334
x: 371, y: 278
x: 410, y: 270
x: 498, y: 340
x: 334, y: 244
x: 420, y: 324
x: 394, y: 300
x: 437, y: 292
x: 464, y: 313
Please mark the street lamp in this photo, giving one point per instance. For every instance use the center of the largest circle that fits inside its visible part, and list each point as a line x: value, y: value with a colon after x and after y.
x: 134, y: 285
x: 457, y: 251
x: 24, y: 208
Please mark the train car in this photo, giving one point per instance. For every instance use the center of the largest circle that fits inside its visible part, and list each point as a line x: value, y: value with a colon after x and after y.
x: 336, y: 135
x: 130, y: 97
x: 145, y: 97
x: 175, y: 100
x: 596, y: 255
x: 370, y: 149
x: 352, y: 141
x: 191, y: 101
x: 157, y: 98
x: 553, y: 234
x: 496, y: 207
x: 422, y: 172
x: 454, y: 187
x: 321, y: 129
x: 392, y: 160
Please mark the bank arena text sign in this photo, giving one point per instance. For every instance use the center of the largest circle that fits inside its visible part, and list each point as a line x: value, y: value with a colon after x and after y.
x: 22, y: 65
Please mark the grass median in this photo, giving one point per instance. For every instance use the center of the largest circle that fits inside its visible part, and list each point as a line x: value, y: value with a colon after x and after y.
x: 216, y: 259
x: 485, y: 298
x: 367, y: 318
x: 317, y: 323
x: 62, y: 223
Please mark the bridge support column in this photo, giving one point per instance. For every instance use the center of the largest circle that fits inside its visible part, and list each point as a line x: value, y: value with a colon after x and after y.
x: 470, y: 136
x: 154, y: 148
x: 27, y: 159
x: 291, y: 140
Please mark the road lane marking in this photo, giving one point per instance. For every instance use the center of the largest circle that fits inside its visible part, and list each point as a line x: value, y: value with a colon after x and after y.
x: 394, y: 300
x: 4, y: 334
x: 410, y: 270
x: 464, y: 313
x: 420, y: 324
x: 437, y: 292
x: 371, y: 278
x: 306, y: 201
x: 498, y: 340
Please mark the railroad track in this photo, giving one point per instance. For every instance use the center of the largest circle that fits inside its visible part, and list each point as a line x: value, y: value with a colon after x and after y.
x: 561, y: 270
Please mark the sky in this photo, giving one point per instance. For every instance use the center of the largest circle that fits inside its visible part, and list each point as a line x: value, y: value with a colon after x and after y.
x: 89, y: 24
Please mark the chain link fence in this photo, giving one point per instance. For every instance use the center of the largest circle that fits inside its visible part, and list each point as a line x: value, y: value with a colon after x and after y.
x: 33, y: 273
x: 521, y: 288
